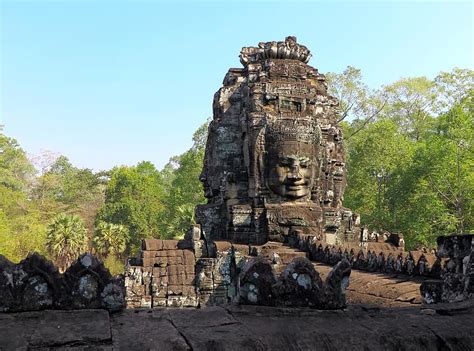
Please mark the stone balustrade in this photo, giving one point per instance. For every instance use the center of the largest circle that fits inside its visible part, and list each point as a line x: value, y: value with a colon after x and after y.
x: 36, y: 284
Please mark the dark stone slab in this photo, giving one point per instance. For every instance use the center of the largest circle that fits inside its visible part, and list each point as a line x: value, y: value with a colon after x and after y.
x: 146, y: 330
x: 49, y: 329
x: 362, y: 327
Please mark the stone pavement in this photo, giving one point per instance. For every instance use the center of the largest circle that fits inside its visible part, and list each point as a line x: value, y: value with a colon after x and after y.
x: 359, y: 327
x: 382, y: 289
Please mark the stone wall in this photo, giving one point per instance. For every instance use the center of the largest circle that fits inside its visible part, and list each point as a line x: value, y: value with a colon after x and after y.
x: 381, y: 257
x: 457, y: 282
x: 243, y: 328
x: 164, y: 275
x: 451, y: 266
x: 36, y: 284
x: 171, y: 273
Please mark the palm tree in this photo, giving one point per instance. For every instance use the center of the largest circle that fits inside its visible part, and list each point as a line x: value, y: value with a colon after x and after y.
x: 66, y: 239
x: 110, y: 238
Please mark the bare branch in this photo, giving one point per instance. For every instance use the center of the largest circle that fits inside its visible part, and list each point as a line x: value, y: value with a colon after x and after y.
x: 346, y: 112
x: 367, y: 120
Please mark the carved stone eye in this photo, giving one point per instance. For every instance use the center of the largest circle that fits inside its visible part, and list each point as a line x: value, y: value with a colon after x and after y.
x: 285, y: 162
x: 305, y: 163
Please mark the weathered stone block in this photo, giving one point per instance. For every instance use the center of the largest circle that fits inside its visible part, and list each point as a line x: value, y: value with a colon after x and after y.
x: 189, y: 258
x: 170, y: 253
x: 146, y: 302
x: 176, y: 260
x: 159, y: 302
x: 149, y: 254
x: 160, y: 290
x: 159, y: 272
x: 137, y: 290
x: 170, y: 244
x: 152, y: 244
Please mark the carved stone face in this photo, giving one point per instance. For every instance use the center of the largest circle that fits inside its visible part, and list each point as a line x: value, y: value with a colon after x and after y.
x: 291, y: 170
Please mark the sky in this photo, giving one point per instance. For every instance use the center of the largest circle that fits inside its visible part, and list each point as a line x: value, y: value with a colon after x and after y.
x: 107, y: 83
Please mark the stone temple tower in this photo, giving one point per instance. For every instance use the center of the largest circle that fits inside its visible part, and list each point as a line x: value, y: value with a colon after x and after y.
x: 274, y: 163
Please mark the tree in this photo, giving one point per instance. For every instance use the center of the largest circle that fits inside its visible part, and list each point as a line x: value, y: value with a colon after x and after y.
x: 110, y: 239
x: 377, y: 156
x: 452, y: 88
x: 410, y: 167
x: 446, y: 164
x: 16, y: 171
x: 134, y: 198
x: 410, y: 103
x: 66, y: 239
x: 186, y: 189
x: 22, y: 230
x: 351, y: 92
x: 65, y: 188
x: 359, y: 105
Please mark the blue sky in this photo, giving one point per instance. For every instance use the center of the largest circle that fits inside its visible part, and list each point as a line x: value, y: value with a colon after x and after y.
x: 108, y: 83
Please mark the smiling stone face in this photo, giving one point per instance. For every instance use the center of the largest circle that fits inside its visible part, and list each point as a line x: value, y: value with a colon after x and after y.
x: 291, y: 166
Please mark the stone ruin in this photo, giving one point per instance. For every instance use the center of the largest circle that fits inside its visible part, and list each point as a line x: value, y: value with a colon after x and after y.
x: 274, y: 175
x: 273, y: 170
x: 457, y: 283
x: 274, y: 162
x: 36, y: 284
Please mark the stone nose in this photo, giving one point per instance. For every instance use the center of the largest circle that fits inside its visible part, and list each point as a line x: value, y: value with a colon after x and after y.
x: 294, y: 173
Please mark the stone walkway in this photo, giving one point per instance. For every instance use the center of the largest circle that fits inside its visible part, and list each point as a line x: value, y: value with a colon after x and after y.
x: 387, y: 290
x: 242, y: 328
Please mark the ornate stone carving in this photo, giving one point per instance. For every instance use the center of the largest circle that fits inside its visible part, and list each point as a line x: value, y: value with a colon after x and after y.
x: 274, y: 160
x: 36, y: 284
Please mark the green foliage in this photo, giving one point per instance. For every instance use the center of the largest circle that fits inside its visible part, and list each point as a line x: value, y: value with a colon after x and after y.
x: 21, y: 235
x: 21, y: 228
x: 65, y: 188
x: 66, y: 239
x: 110, y: 238
x: 114, y: 264
x: 134, y: 199
x: 15, y: 169
x: 410, y: 166
x: 185, y: 190
x: 378, y: 155
x: 409, y: 103
x: 438, y: 189
x: 452, y: 88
